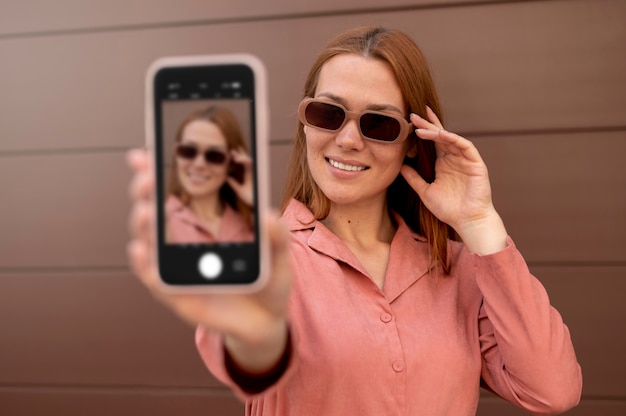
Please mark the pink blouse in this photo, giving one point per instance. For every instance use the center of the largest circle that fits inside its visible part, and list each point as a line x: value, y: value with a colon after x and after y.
x: 420, y: 346
x: 184, y: 226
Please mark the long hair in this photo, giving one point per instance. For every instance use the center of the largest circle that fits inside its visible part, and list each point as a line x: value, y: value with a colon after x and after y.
x: 413, y: 75
x: 228, y: 125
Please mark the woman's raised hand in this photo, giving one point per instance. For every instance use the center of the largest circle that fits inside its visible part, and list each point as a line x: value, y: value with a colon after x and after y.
x: 254, y: 325
x: 244, y: 189
x: 460, y: 195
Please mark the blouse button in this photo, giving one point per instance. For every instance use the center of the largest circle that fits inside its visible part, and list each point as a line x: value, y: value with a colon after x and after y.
x: 397, y: 365
x: 385, y: 317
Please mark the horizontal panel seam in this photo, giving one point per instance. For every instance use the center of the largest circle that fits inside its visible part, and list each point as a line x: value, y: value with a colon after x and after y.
x: 64, y: 270
x: 555, y: 264
x: 584, y: 397
x: 113, y: 388
x: 543, y: 131
x: 253, y: 19
x: 288, y: 141
x: 125, y: 270
x: 187, y: 390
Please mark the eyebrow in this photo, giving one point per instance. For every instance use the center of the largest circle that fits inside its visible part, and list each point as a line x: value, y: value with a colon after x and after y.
x: 191, y: 141
x: 188, y: 140
x: 374, y: 107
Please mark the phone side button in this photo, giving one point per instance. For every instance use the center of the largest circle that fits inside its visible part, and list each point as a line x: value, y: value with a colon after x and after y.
x: 210, y: 265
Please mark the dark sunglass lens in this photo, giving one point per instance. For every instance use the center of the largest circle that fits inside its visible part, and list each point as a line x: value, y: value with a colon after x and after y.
x: 215, y: 156
x: 325, y: 116
x: 186, y: 152
x: 380, y: 127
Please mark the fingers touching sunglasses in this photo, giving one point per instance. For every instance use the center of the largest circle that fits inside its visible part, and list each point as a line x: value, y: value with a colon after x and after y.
x: 212, y: 156
x: 373, y: 125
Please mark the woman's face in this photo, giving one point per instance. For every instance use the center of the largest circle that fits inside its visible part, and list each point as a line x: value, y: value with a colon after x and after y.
x: 198, y: 177
x: 348, y: 168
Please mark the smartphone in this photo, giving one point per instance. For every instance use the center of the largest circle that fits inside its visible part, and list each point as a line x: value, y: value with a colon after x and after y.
x: 207, y: 129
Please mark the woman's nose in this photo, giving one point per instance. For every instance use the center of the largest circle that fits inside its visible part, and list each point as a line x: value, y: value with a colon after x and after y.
x: 349, y: 136
x: 199, y: 161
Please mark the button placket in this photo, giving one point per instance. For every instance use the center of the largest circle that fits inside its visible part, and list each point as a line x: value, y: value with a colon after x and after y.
x: 386, y: 317
x: 397, y: 365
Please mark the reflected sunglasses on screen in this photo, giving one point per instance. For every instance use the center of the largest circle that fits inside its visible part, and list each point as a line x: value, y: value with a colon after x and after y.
x: 373, y: 125
x: 213, y: 156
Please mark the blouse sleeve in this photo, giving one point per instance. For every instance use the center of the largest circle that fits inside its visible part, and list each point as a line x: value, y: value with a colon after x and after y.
x: 527, y: 353
x: 210, y: 346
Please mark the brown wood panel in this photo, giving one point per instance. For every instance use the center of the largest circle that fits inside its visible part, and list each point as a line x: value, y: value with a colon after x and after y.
x: 102, y: 329
x: 281, y: 154
x: 494, y: 406
x: 41, y: 16
x: 562, y: 196
x: 78, y: 216
x: 590, y: 300
x: 92, y: 329
x: 81, y: 336
x: 130, y: 403
x: 510, y: 66
x: 119, y: 402
x: 66, y: 210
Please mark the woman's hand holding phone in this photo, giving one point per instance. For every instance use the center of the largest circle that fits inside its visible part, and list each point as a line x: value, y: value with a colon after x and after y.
x: 253, y: 324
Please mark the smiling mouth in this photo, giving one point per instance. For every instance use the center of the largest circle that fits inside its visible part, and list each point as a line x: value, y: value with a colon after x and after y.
x: 343, y: 166
x: 198, y: 178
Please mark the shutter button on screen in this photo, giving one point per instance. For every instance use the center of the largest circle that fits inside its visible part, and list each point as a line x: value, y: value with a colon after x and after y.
x: 210, y: 265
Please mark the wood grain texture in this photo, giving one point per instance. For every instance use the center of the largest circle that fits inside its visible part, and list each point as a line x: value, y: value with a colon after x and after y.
x: 562, y: 196
x: 32, y: 17
x: 101, y: 330
x: 499, y: 67
x: 494, y: 406
x: 119, y: 402
x: 538, y: 85
x: 93, y: 328
x: 590, y: 300
x: 64, y: 211
x: 555, y: 210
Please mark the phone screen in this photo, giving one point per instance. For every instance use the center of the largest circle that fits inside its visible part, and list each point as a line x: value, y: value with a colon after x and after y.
x: 206, y: 174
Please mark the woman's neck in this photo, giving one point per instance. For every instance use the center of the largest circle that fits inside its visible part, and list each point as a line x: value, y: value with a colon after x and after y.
x: 364, y: 224
x: 367, y: 230
x: 207, y: 207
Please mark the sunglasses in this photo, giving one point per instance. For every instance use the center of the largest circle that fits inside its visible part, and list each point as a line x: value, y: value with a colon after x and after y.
x: 213, y: 156
x: 373, y: 125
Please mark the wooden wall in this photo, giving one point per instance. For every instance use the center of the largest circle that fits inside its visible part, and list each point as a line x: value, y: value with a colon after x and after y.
x: 539, y: 85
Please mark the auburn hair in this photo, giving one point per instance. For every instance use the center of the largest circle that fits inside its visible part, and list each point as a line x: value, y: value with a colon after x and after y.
x: 228, y: 125
x: 413, y: 76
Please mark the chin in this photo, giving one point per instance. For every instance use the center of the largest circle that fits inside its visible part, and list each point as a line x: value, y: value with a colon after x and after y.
x: 342, y: 198
x: 199, y: 193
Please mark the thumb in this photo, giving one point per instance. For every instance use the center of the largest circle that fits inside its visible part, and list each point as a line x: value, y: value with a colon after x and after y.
x: 279, y: 238
x: 280, y: 255
x: 414, y: 179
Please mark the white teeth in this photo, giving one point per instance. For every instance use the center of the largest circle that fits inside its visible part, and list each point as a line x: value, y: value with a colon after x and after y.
x: 343, y: 166
x: 198, y: 177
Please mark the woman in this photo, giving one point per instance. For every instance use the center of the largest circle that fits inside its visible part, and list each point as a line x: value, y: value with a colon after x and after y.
x: 386, y: 314
x: 208, y: 201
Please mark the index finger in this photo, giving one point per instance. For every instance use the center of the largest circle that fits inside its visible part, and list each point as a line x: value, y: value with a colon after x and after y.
x: 451, y: 143
x: 433, y: 122
x: 240, y: 155
x: 142, y: 183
